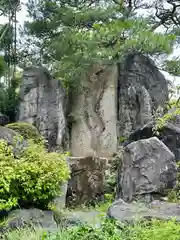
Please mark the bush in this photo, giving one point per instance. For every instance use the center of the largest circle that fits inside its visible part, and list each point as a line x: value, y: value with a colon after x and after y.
x: 28, y: 131
x: 33, y: 179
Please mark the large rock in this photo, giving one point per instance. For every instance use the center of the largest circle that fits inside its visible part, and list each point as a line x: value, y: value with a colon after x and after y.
x: 129, y: 212
x: 169, y: 134
x: 148, y: 166
x: 142, y: 90
x: 94, y: 114
x: 42, y: 103
x: 87, y: 179
x: 21, y: 218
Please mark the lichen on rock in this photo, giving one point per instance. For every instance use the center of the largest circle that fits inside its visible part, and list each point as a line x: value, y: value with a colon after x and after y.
x: 28, y: 131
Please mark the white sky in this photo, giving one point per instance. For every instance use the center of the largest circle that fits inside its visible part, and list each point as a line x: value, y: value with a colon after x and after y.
x: 22, y: 16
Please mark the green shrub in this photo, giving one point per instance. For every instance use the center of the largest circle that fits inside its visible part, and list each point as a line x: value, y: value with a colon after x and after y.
x: 27, y: 130
x: 34, y: 178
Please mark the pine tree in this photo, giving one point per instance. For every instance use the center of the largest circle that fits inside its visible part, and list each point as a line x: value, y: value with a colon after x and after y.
x: 72, y: 35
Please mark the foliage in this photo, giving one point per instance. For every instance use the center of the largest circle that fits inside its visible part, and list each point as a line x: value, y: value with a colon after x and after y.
x: 6, y: 6
x: 173, y: 110
x: 9, y: 98
x: 2, y: 66
x: 71, y: 36
x: 173, y: 66
x: 122, y: 139
x: 34, y: 178
x: 27, y: 130
x: 111, y: 174
x: 158, y: 230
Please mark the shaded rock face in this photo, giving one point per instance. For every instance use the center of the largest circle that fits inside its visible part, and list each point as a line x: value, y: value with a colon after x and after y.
x: 3, y: 119
x: 129, y: 212
x: 43, y: 104
x: 87, y: 179
x: 148, y: 167
x: 170, y: 136
x: 142, y: 89
x: 94, y: 113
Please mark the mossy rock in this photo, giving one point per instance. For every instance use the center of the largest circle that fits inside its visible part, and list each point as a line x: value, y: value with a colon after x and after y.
x: 13, y: 138
x: 27, y: 130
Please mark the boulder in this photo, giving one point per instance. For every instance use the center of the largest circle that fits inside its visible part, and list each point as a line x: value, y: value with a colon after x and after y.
x: 20, y: 218
x: 94, y: 114
x: 142, y: 90
x: 129, y: 212
x: 80, y: 217
x: 8, y: 134
x: 169, y: 134
x: 11, y: 137
x: 87, y: 179
x: 147, y: 167
x: 43, y: 104
x: 26, y: 130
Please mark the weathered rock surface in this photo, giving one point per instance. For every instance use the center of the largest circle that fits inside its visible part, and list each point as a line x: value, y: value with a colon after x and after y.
x: 94, y: 114
x: 29, y: 218
x: 148, y: 166
x: 60, y: 201
x: 8, y: 134
x: 142, y: 90
x: 81, y: 217
x: 87, y: 179
x: 43, y: 104
x: 128, y: 212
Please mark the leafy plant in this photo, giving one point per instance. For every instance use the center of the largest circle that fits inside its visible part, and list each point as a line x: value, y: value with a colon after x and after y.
x: 122, y: 139
x: 34, y: 178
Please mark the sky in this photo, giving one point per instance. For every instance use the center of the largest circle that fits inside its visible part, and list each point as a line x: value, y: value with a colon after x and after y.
x: 22, y: 16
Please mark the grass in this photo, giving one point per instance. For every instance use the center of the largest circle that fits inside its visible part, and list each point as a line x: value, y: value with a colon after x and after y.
x: 155, y: 230
x: 107, y: 230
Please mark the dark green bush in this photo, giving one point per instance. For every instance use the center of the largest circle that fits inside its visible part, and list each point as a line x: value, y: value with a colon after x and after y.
x: 34, y: 178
